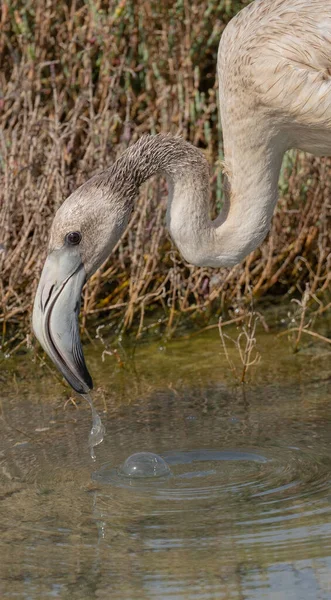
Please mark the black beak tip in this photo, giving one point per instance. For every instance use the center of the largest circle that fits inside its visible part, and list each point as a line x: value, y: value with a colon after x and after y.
x: 87, y: 380
x: 87, y: 385
x: 83, y: 385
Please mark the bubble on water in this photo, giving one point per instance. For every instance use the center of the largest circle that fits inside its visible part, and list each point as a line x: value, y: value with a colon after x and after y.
x: 145, y: 464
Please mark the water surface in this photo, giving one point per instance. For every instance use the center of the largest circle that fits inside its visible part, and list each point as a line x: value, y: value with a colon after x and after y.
x: 244, y: 513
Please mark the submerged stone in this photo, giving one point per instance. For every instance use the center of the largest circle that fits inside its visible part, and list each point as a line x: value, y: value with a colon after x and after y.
x: 145, y: 464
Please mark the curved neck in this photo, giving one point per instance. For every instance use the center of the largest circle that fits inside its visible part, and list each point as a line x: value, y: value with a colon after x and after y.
x: 252, y: 166
x: 244, y: 221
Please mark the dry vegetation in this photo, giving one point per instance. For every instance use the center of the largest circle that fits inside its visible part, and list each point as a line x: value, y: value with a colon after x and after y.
x: 80, y: 81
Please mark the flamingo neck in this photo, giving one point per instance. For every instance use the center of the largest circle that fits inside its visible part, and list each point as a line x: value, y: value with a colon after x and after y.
x: 251, y: 192
x: 252, y: 171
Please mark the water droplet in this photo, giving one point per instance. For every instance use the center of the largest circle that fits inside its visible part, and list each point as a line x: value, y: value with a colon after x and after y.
x: 98, y: 431
x: 145, y: 464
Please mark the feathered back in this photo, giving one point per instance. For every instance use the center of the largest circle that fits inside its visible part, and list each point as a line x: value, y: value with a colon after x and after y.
x: 275, y: 56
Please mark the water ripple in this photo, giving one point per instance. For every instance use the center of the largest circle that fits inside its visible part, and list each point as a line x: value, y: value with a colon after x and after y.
x: 282, y: 483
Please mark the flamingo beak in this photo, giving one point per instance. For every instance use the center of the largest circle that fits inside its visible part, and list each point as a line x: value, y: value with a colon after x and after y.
x: 55, y: 315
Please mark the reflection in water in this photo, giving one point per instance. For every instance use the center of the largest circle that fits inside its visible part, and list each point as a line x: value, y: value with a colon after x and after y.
x: 244, y: 514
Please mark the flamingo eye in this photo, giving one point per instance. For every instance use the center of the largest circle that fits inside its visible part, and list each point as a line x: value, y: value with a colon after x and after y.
x: 73, y: 238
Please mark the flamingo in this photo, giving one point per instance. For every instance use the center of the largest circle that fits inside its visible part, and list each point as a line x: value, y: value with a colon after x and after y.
x: 274, y: 70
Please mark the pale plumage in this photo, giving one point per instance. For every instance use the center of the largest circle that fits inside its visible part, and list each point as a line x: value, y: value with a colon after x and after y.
x: 274, y: 70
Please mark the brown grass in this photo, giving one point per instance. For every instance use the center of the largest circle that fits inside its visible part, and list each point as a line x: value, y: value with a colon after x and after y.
x: 81, y: 81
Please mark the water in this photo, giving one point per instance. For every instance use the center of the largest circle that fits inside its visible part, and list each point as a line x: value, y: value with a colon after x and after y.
x: 242, y: 509
x: 98, y: 430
